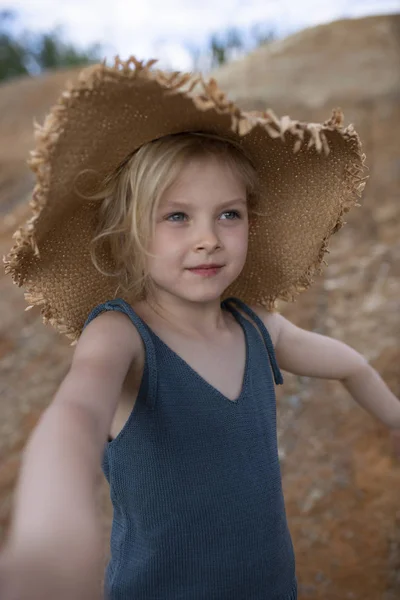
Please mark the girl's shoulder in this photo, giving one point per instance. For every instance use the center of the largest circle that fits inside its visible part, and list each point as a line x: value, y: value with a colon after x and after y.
x: 110, y: 332
x: 271, y: 320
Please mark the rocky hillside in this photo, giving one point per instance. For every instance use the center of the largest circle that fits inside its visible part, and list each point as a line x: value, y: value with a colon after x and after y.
x: 340, y: 476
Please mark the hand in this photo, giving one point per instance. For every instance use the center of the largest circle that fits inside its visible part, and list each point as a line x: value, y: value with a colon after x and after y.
x: 9, y: 590
x: 30, y: 579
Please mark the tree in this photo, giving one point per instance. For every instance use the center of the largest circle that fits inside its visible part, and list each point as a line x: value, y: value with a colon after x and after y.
x: 224, y: 46
x: 229, y: 44
x: 262, y: 35
x: 33, y: 53
x: 13, y: 55
x: 51, y: 52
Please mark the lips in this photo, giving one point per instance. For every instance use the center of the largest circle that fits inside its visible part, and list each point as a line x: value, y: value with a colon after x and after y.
x: 207, y: 270
x: 208, y: 266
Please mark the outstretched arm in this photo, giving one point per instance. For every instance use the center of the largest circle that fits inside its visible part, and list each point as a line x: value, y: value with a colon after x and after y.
x: 54, y: 546
x: 310, y: 354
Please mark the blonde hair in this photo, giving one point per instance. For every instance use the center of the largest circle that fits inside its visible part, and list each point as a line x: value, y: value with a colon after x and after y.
x: 131, y: 195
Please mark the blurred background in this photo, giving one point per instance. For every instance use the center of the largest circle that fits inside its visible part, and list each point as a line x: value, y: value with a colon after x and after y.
x: 340, y: 476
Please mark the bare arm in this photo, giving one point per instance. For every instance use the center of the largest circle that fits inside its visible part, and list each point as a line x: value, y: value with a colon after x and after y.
x: 55, y: 529
x: 311, y: 354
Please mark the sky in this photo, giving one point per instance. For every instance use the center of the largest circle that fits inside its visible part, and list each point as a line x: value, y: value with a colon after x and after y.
x: 173, y: 28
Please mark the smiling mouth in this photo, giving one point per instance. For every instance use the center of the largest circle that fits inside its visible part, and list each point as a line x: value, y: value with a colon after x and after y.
x: 206, y: 270
x: 212, y: 266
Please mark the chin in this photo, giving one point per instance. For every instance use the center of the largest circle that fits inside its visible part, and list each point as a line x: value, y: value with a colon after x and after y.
x: 200, y: 291
x: 202, y: 294
x: 196, y: 295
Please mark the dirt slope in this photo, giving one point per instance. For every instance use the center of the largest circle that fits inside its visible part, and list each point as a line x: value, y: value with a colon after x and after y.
x: 340, y: 478
x: 350, y: 60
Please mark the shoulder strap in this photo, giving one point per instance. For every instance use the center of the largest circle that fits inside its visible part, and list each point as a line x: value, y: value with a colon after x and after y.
x: 265, y: 335
x: 150, y: 359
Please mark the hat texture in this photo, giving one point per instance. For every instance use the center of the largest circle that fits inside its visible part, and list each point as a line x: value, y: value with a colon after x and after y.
x: 310, y: 175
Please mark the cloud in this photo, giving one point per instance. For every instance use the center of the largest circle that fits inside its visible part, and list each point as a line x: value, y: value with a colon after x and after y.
x: 168, y: 29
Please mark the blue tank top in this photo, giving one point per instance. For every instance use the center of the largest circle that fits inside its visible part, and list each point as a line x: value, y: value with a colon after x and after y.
x: 195, y: 480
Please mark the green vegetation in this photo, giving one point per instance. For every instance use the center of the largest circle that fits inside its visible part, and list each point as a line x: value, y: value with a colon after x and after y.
x: 30, y: 54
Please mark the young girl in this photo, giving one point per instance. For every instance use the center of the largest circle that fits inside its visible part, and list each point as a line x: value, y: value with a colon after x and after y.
x: 165, y: 268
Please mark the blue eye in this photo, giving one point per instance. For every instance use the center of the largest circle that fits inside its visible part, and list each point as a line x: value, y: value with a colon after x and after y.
x: 176, y: 217
x: 233, y: 215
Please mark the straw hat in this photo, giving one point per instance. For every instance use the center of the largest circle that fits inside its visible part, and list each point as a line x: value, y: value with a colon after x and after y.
x: 310, y: 175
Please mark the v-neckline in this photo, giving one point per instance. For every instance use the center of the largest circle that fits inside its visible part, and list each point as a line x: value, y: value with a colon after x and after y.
x: 196, y: 374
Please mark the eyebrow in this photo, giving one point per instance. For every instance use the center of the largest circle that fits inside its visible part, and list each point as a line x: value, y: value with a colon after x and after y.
x: 182, y: 205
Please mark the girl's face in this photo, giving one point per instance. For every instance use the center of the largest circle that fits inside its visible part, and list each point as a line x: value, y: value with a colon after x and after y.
x: 201, y: 220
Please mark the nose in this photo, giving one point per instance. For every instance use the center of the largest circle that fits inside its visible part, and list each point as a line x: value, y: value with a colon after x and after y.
x: 207, y: 238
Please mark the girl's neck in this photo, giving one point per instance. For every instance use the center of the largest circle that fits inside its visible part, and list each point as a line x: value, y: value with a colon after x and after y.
x: 195, y: 319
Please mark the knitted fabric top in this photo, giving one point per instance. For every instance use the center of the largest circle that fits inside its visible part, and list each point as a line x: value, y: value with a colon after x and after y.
x: 195, y: 481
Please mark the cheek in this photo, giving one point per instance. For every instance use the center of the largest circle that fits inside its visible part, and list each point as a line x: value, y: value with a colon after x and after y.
x: 237, y: 240
x: 167, y: 247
